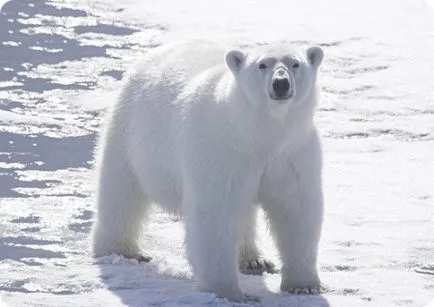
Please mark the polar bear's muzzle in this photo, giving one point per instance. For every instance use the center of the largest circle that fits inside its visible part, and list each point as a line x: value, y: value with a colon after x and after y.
x: 282, y: 85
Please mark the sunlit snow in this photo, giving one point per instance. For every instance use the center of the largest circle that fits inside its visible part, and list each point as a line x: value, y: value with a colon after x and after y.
x: 61, y: 65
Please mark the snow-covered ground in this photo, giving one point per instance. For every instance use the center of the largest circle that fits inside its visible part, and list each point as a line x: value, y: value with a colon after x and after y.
x: 61, y: 62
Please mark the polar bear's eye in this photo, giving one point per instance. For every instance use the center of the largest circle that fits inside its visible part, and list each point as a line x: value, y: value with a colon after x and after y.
x: 262, y: 66
x: 295, y: 65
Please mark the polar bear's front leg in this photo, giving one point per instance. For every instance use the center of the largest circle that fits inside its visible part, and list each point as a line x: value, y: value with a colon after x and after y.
x: 214, y: 204
x: 297, y: 231
x: 212, y: 242
x: 292, y: 198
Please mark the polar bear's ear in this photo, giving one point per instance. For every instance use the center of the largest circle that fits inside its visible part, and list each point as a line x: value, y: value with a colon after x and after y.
x: 315, y: 56
x: 234, y: 60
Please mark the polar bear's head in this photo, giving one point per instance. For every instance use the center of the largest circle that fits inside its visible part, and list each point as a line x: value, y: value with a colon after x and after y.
x: 276, y: 76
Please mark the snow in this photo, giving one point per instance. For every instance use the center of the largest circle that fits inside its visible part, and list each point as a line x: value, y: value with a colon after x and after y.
x: 61, y: 62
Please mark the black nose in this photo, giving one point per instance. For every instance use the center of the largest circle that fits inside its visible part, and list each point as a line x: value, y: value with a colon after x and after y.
x: 281, y: 86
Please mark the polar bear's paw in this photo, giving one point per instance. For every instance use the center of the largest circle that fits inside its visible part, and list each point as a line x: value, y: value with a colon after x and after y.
x: 311, y: 290
x: 143, y: 258
x: 135, y: 256
x: 248, y: 298
x: 257, y: 267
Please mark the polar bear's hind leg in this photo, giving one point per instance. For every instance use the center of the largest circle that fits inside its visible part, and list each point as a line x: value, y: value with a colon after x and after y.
x: 251, y: 261
x: 122, y: 208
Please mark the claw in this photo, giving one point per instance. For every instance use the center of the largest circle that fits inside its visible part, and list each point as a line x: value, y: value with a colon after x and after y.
x: 257, y: 267
x: 143, y: 258
x: 304, y: 291
x: 270, y: 267
x: 314, y: 291
x: 251, y: 298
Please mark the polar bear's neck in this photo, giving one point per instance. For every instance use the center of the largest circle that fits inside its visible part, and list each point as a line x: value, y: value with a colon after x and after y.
x: 259, y: 128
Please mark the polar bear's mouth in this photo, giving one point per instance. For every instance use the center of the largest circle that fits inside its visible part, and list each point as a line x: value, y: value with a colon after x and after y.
x: 288, y: 95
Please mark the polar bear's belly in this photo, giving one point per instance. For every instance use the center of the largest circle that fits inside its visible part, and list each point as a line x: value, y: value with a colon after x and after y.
x: 163, y: 187
x: 157, y: 172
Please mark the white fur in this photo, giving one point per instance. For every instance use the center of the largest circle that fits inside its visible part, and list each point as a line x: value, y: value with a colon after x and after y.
x: 206, y: 141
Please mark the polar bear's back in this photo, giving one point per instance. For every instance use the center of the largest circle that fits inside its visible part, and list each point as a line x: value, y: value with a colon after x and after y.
x: 153, y: 88
x: 148, y: 118
x: 180, y: 62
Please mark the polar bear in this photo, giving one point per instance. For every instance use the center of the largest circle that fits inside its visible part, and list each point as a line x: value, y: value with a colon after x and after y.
x: 212, y: 134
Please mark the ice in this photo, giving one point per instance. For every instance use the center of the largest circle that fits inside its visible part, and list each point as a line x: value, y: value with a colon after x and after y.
x: 61, y: 65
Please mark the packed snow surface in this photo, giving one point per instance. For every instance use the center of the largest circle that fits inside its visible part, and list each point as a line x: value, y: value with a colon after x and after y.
x: 61, y: 65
